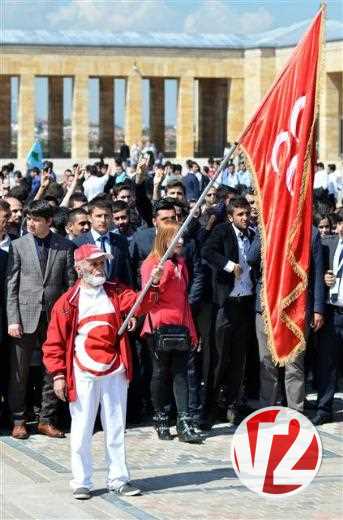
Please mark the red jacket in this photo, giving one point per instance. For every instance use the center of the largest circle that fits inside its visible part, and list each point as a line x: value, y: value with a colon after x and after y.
x: 58, y: 349
x: 172, y: 307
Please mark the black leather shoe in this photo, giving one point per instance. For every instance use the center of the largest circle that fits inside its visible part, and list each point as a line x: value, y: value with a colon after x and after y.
x: 321, y: 418
x: 310, y: 405
x: 186, y: 431
x: 161, y: 424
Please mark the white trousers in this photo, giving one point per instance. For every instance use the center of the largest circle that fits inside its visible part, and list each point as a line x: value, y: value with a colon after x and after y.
x: 111, y: 392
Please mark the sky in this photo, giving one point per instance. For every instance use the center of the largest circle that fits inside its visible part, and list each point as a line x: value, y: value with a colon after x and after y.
x: 188, y: 16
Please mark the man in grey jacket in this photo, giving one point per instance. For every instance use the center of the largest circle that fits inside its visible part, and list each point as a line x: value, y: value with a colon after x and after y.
x: 40, y: 268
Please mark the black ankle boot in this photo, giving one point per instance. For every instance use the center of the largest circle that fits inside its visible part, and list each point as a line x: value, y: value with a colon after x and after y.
x: 185, y: 430
x: 161, y: 424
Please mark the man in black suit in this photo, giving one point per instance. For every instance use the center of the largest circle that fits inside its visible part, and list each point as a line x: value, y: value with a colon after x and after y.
x: 225, y: 251
x: 100, y: 216
x: 331, y: 335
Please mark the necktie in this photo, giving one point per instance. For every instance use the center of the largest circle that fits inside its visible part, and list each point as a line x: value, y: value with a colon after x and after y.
x: 43, y: 257
x: 334, y: 295
x: 245, y: 241
x: 102, y: 241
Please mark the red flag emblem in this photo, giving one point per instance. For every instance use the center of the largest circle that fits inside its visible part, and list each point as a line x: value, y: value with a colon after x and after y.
x: 280, y: 144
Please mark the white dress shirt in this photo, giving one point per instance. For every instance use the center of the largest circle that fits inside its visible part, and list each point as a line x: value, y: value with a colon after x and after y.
x: 97, y: 240
x: 243, y: 285
x: 244, y: 178
x: 321, y: 179
x: 336, y: 292
x: 93, y: 186
x: 5, y: 243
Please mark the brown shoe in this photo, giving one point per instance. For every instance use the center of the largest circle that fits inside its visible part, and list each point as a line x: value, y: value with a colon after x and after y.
x: 20, y: 432
x: 50, y: 430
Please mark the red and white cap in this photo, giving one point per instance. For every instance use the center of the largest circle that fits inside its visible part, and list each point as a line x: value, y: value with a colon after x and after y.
x: 90, y: 252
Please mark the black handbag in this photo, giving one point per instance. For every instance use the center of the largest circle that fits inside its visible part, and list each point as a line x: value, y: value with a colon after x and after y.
x: 171, y: 337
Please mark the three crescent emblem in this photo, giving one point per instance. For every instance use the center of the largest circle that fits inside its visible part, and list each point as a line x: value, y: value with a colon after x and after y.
x: 284, y: 138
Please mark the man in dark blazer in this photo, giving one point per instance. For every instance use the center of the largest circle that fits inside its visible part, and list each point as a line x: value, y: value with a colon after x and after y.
x: 100, y: 216
x: 225, y: 251
x: 294, y: 375
x: 329, y: 354
x: 40, y: 268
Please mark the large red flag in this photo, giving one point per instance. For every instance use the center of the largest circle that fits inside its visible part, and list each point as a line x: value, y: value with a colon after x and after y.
x: 280, y: 144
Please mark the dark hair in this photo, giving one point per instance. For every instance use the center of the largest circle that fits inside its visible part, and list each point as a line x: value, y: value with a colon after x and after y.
x: 318, y: 217
x: 78, y: 197
x: 224, y: 191
x: 126, y: 185
x: 55, y: 190
x: 51, y: 198
x: 177, y: 168
x: 73, y: 213
x: 4, y: 206
x: 60, y: 220
x: 237, y: 202
x: 47, y: 165
x: 339, y: 215
x: 19, y: 192
x: 249, y: 191
x: 119, y: 205
x: 93, y: 170
x: 180, y: 204
x: 100, y: 203
x: 320, y: 165
x: 176, y: 184
x: 332, y: 167
x: 189, y: 163
x: 40, y: 208
x: 162, y: 204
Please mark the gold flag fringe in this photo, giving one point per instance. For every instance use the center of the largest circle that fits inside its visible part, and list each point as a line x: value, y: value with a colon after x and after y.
x: 297, y: 268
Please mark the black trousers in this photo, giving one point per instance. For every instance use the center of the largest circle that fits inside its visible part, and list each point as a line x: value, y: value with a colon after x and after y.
x: 169, y: 374
x: 234, y: 330
x: 21, y: 350
x: 329, y: 355
x: 201, y: 364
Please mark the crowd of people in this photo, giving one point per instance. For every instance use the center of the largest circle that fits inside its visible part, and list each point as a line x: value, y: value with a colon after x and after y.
x: 196, y: 352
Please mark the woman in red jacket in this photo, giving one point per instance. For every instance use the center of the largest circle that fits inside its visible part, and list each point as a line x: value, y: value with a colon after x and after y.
x: 171, y: 335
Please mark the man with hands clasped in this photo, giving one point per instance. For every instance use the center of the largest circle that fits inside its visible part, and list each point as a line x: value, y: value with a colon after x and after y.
x: 226, y: 252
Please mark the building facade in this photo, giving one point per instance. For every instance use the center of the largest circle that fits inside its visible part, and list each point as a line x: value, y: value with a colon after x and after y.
x: 219, y: 85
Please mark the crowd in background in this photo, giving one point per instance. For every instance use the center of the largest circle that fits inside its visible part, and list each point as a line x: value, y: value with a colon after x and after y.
x: 128, y: 206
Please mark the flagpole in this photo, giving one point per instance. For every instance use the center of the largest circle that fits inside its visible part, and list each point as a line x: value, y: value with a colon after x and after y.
x: 178, y: 235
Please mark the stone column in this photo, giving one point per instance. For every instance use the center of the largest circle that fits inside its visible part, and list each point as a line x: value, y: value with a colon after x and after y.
x: 5, y: 119
x: 133, y: 109
x: 185, y: 118
x: 26, y: 114
x: 106, y: 115
x: 55, y: 117
x: 157, y: 112
x: 329, y: 117
x: 212, y: 116
x: 259, y: 73
x: 235, y: 109
x: 80, y: 119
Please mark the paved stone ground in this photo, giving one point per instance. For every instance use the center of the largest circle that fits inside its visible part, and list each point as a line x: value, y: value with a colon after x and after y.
x: 180, y: 481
